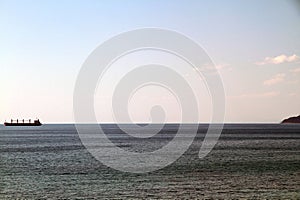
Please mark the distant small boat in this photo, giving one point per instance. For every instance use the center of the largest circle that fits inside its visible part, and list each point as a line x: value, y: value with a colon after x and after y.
x: 23, y: 123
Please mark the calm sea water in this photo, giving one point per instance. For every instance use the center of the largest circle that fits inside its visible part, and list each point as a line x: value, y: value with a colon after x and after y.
x: 249, y: 161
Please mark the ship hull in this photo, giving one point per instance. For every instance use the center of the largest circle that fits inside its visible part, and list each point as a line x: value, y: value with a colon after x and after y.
x: 22, y: 124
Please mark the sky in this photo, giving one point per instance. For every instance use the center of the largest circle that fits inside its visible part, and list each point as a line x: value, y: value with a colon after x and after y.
x: 254, y: 44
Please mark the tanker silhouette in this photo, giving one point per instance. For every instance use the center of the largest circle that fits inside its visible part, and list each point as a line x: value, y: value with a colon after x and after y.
x: 23, y: 123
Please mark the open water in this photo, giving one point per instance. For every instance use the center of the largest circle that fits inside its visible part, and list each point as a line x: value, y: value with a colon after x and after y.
x: 250, y: 161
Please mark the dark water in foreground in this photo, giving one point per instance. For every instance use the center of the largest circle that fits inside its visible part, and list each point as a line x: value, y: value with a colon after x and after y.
x: 249, y: 161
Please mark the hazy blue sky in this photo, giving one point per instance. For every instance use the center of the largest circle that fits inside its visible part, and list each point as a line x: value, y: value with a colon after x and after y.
x: 255, y: 44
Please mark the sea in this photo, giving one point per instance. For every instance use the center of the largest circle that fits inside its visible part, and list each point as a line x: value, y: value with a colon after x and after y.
x: 249, y: 161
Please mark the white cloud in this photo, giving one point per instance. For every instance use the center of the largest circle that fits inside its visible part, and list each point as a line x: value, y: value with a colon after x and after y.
x: 292, y: 81
x: 292, y: 94
x: 256, y: 95
x: 217, y: 67
x: 279, y: 59
x: 278, y: 78
x: 223, y: 66
x: 297, y: 70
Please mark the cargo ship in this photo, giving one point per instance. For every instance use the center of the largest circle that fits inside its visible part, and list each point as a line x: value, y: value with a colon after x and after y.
x: 23, y: 123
